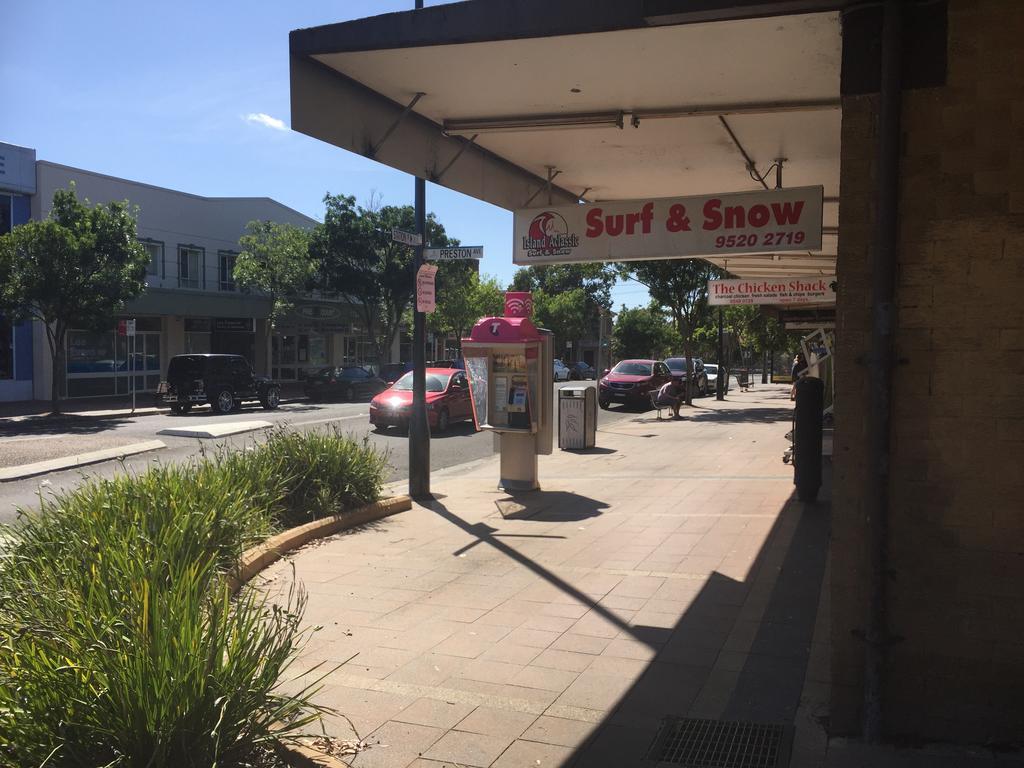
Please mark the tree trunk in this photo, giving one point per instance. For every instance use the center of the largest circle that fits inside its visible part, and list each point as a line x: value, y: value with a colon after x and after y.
x: 55, y: 337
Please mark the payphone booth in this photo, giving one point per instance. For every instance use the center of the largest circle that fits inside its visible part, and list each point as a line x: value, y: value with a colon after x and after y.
x: 510, y: 365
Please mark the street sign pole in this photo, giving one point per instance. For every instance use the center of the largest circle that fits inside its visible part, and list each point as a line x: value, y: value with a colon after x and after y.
x: 419, y: 429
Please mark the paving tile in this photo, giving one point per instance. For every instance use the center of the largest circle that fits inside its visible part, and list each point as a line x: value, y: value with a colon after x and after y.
x: 428, y: 669
x: 594, y: 690
x: 496, y: 722
x: 534, y: 638
x: 395, y: 745
x: 523, y: 754
x: 511, y: 653
x: 367, y: 710
x: 434, y: 712
x: 491, y: 671
x: 560, y: 731
x: 471, y: 750
x: 569, y: 661
x: 545, y: 678
x: 580, y: 643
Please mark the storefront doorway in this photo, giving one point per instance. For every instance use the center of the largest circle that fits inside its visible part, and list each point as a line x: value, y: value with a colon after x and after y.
x: 100, y: 364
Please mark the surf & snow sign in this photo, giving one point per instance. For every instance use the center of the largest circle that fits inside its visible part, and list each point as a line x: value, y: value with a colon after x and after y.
x: 766, y: 221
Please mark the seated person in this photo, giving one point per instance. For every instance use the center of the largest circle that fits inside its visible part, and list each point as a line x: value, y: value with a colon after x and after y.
x: 672, y: 395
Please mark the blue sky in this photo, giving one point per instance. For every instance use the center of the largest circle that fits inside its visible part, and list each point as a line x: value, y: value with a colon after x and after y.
x: 168, y: 93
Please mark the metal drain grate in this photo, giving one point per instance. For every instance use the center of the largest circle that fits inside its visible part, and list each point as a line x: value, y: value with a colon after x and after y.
x: 721, y: 744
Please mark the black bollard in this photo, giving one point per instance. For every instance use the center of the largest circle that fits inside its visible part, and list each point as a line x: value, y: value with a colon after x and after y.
x: 810, y: 399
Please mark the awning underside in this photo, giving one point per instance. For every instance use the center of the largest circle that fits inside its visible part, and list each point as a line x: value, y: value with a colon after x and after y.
x: 496, y: 119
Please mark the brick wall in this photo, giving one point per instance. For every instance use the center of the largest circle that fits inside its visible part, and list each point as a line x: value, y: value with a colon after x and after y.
x: 957, y: 491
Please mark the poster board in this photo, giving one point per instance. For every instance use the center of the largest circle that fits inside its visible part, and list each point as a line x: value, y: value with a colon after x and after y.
x: 476, y: 370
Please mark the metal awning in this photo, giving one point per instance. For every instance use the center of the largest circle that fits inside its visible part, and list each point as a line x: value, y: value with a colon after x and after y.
x: 525, y: 102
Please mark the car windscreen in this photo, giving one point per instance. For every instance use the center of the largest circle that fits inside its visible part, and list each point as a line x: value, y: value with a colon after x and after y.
x: 676, y: 363
x: 632, y: 369
x: 711, y: 368
x: 185, y: 367
x: 435, y: 383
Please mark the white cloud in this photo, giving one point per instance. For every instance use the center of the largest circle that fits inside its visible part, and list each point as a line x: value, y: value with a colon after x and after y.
x: 265, y: 119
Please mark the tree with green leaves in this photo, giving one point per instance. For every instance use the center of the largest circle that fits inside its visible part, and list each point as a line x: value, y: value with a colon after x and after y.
x: 681, y: 287
x: 567, y: 298
x: 463, y: 297
x: 76, y: 269
x: 359, y: 259
x: 642, y: 332
x: 275, y: 260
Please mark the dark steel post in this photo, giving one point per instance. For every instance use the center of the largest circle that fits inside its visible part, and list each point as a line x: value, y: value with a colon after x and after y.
x: 883, y: 268
x: 722, y: 374
x: 419, y: 429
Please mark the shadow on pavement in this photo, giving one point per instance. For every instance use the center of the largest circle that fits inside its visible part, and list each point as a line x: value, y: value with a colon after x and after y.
x: 739, y: 651
x: 548, y: 506
x: 61, y: 424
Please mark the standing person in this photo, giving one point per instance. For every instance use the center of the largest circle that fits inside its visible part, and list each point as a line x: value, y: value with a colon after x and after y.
x: 799, y: 366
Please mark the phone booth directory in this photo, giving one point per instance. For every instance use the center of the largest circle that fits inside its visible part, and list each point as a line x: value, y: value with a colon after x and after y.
x: 510, y: 367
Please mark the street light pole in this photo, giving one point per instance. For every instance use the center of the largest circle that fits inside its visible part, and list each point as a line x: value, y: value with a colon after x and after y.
x: 419, y: 429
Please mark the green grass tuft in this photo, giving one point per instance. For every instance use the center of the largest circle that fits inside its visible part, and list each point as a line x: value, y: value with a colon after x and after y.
x: 119, y: 643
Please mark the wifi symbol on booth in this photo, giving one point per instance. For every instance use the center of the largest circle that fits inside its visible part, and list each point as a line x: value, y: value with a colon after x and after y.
x: 515, y: 307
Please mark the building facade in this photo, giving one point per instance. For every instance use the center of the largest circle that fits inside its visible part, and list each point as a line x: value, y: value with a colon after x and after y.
x: 17, y: 185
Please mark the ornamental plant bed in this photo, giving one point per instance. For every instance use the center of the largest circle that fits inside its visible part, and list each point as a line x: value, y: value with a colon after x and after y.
x: 120, y: 643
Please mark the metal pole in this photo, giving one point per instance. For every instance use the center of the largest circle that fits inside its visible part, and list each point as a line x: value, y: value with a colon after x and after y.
x: 883, y: 269
x: 722, y: 374
x: 131, y: 369
x: 419, y: 429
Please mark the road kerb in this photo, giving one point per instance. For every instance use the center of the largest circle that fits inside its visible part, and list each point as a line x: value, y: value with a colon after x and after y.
x: 270, y: 551
x: 21, y: 471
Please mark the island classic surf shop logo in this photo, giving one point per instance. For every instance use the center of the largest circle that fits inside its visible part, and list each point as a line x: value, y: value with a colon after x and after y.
x: 549, y: 236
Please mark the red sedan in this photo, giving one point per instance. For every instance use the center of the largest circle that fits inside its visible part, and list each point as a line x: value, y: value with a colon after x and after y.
x: 447, y: 401
x: 631, y: 382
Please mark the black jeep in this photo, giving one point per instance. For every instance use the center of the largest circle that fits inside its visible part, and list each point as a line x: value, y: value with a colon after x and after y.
x: 223, y: 381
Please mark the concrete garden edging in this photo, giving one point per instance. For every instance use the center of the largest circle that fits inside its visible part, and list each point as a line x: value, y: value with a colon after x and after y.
x: 256, y: 559
x: 270, y: 551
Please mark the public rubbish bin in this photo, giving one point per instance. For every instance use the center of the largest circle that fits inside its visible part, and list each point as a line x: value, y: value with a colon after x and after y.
x: 577, y: 417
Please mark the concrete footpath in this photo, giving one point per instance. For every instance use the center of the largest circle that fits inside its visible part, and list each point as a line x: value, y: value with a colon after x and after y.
x: 669, y: 572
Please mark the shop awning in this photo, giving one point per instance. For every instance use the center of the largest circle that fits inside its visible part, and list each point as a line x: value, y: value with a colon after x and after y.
x: 547, y: 102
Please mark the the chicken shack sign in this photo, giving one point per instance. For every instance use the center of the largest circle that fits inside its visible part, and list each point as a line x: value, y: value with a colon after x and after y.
x: 671, y: 227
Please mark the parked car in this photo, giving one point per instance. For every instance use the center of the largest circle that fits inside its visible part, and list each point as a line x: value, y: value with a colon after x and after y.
x: 562, y: 372
x: 392, y: 372
x: 631, y: 382
x: 700, y: 378
x: 581, y: 370
x: 446, y: 364
x: 349, y: 382
x: 447, y: 401
x: 711, y: 369
x: 223, y: 381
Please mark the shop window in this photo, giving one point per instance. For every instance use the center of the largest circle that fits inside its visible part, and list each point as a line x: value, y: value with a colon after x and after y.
x: 227, y: 270
x: 155, y: 249
x: 190, y: 267
x: 6, y: 349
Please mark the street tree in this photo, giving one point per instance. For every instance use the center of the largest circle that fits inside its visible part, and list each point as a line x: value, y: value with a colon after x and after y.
x: 681, y: 287
x: 275, y: 260
x: 642, y: 332
x: 359, y: 259
x: 463, y: 297
x: 76, y: 269
x: 567, y: 298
